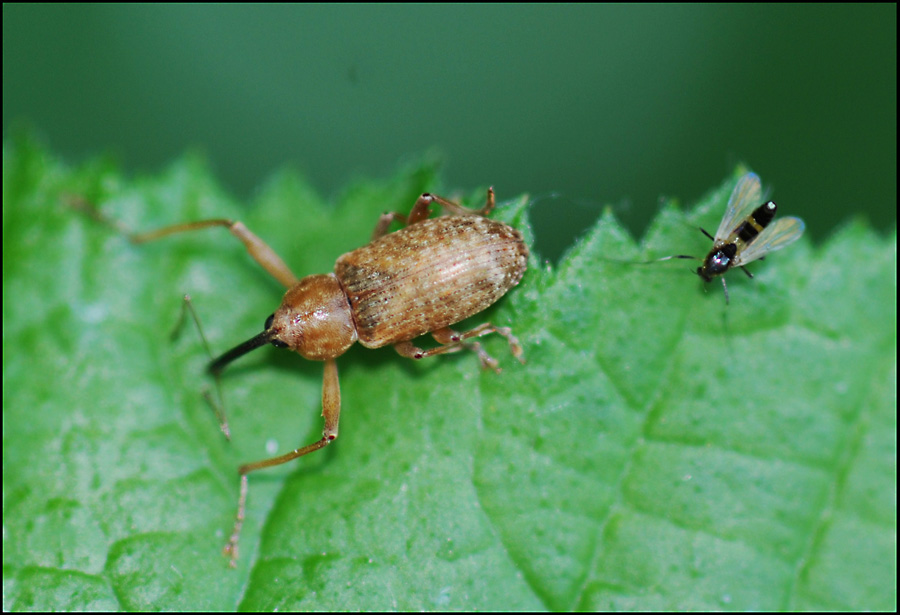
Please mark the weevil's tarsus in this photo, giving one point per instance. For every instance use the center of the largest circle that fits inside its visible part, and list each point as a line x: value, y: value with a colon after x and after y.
x: 231, y: 547
x: 218, y: 408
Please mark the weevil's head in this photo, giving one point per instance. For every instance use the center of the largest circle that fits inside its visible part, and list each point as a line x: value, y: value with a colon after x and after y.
x: 314, y: 319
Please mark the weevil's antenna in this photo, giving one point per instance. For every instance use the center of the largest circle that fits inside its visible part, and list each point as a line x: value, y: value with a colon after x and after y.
x: 187, y: 307
x: 217, y: 365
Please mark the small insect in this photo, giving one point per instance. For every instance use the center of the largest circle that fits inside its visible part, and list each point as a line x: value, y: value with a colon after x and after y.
x: 423, y: 278
x: 746, y: 233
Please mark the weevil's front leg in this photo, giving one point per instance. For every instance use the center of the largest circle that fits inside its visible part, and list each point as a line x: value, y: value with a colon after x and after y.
x: 454, y: 341
x: 422, y: 209
x: 331, y: 410
x: 256, y: 247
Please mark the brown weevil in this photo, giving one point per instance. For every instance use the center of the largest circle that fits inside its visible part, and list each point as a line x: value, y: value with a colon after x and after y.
x: 423, y: 278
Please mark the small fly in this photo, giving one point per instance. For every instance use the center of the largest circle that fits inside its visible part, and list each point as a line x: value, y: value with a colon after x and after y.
x: 746, y: 232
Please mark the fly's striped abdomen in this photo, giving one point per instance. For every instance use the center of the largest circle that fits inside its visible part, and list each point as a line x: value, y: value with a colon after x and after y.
x: 753, y: 225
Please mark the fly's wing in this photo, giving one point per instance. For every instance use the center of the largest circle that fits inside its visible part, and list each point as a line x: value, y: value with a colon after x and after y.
x: 777, y: 235
x: 746, y: 197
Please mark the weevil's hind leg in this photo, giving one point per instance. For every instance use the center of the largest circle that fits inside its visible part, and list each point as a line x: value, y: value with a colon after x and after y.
x: 450, y: 338
x: 465, y: 211
x: 422, y: 209
x: 187, y: 307
x: 454, y: 341
x: 384, y: 222
x: 331, y: 410
x: 256, y: 247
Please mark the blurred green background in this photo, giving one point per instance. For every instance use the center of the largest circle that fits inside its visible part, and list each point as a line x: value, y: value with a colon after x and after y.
x: 580, y: 106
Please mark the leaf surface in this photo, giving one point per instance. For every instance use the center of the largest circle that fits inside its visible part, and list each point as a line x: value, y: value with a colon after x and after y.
x: 657, y: 451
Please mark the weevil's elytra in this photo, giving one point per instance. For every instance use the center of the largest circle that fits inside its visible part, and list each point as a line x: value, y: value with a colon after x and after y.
x: 423, y: 278
x: 429, y: 276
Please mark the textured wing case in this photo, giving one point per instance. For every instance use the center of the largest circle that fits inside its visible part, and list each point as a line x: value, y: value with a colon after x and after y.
x: 429, y: 275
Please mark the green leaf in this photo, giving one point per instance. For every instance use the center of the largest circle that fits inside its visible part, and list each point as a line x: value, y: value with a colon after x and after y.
x: 659, y: 450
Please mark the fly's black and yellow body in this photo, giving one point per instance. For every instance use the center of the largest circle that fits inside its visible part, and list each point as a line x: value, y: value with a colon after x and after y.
x: 747, y: 232
x: 726, y: 251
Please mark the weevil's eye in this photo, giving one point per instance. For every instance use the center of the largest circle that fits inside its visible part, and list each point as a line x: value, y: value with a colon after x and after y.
x: 269, y: 321
x: 278, y: 343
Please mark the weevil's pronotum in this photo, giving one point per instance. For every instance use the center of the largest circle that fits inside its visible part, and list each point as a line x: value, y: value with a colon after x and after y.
x: 745, y: 233
x: 423, y: 278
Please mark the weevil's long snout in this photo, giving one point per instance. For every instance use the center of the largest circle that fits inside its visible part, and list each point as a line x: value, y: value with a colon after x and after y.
x: 217, y: 365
